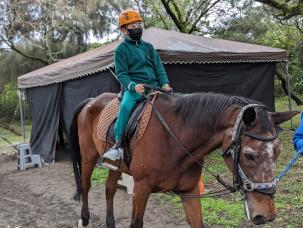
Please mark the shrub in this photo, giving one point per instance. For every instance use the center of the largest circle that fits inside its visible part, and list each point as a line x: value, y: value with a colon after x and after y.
x: 9, y: 103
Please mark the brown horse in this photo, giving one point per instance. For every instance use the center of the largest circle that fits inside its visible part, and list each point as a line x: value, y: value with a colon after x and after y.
x: 169, y: 156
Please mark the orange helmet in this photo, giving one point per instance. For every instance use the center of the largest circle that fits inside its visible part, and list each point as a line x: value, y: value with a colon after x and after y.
x: 129, y: 16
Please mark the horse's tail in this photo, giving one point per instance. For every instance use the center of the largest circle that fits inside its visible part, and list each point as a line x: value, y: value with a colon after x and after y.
x: 75, y: 148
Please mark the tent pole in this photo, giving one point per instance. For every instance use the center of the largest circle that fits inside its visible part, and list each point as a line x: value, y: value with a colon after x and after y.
x: 21, y: 114
x: 288, y: 87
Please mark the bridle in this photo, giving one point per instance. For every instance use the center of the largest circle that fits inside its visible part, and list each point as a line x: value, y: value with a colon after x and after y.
x: 240, y: 181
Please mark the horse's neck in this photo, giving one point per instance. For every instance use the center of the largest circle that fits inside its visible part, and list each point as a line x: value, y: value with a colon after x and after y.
x: 203, y: 146
x: 198, y: 140
x: 202, y: 141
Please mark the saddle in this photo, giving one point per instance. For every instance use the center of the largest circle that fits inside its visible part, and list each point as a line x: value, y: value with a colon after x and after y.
x: 135, y: 127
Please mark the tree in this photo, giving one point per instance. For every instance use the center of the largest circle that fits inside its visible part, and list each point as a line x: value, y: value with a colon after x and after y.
x: 50, y: 25
x: 284, y: 9
x: 187, y: 16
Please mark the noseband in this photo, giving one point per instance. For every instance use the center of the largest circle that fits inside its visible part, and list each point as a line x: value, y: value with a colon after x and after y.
x: 240, y: 181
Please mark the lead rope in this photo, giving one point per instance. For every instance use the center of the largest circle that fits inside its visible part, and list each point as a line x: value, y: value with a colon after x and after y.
x: 289, y: 165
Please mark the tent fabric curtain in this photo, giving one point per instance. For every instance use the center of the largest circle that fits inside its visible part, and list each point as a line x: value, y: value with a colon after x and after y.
x: 45, y: 109
x: 255, y: 81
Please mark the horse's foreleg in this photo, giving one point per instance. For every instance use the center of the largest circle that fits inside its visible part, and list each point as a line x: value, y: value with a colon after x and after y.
x: 111, y: 187
x: 88, y: 164
x: 192, y: 208
x: 141, y: 194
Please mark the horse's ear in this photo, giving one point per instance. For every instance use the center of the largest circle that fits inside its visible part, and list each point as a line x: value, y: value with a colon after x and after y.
x: 280, y: 117
x: 249, y: 116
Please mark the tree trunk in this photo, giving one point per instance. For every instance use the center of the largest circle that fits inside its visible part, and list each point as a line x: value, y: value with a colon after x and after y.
x: 10, y: 128
x: 285, y: 88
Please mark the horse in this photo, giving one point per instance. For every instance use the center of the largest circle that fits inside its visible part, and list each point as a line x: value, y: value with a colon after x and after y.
x: 183, y: 129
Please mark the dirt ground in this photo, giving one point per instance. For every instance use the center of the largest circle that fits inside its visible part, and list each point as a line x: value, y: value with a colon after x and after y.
x: 41, y: 197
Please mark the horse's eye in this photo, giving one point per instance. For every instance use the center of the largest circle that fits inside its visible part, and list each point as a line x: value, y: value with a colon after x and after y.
x: 250, y: 156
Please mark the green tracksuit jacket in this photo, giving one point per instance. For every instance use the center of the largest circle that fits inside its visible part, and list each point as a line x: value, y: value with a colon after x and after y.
x: 135, y: 62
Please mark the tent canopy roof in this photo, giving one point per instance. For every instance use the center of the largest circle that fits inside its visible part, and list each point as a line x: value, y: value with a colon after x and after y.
x: 173, y: 47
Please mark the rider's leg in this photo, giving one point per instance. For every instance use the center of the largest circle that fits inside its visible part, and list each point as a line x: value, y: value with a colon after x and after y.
x: 128, y: 102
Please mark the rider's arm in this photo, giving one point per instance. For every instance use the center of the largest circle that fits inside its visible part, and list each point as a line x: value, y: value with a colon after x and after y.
x: 121, y: 69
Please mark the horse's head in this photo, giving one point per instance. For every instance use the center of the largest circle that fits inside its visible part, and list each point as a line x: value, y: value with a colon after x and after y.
x: 250, y: 150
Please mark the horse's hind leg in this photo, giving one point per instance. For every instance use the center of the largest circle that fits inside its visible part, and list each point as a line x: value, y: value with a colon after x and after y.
x: 192, y: 208
x: 111, y: 187
x: 141, y: 194
x: 89, y: 161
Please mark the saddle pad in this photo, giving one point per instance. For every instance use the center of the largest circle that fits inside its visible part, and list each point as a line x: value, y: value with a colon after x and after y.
x: 109, y: 114
x: 106, y: 117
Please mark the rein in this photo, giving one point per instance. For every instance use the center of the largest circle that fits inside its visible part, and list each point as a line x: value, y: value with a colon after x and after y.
x: 240, y: 181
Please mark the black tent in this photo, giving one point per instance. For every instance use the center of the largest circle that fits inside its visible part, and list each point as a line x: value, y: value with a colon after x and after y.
x: 193, y: 63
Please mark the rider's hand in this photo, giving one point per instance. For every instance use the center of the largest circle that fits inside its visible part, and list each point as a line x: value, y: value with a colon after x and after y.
x: 139, y: 88
x: 167, y: 88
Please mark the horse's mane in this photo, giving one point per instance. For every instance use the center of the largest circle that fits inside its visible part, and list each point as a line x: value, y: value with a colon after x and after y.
x: 206, y: 110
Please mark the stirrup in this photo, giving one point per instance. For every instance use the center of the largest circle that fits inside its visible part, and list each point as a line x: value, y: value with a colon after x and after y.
x: 109, y: 166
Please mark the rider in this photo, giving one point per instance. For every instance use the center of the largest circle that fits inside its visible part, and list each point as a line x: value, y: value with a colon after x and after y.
x: 136, y: 63
x: 298, y: 137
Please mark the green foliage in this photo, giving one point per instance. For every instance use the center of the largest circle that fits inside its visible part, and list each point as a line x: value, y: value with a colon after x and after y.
x: 13, y: 64
x: 9, y: 101
x: 284, y: 9
x: 154, y: 15
x: 297, y: 78
x: 245, y: 26
x: 187, y: 16
x: 7, y: 148
x: 94, y: 45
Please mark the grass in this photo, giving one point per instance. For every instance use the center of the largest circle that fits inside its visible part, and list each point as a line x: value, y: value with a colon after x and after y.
x: 99, y: 175
x: 14, y: 139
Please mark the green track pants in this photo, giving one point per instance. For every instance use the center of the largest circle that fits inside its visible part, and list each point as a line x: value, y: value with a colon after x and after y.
x: 127, y: 104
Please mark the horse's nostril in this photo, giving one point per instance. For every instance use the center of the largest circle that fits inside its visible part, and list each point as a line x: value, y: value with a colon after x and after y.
x: 259, y: 219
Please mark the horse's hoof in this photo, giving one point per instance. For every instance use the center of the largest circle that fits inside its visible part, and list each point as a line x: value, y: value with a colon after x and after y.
x: 82, y: 223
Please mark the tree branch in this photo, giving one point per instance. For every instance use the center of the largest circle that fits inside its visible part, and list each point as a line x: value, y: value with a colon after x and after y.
x: 14, y: 48
x: 285, y: 88
x: 286, y: 9
x: 203, y: 12
x: 160, y: 15
x: 178, y: 12
x: 298, y: 26
x: 173, y: 16
x: 194, y: 13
